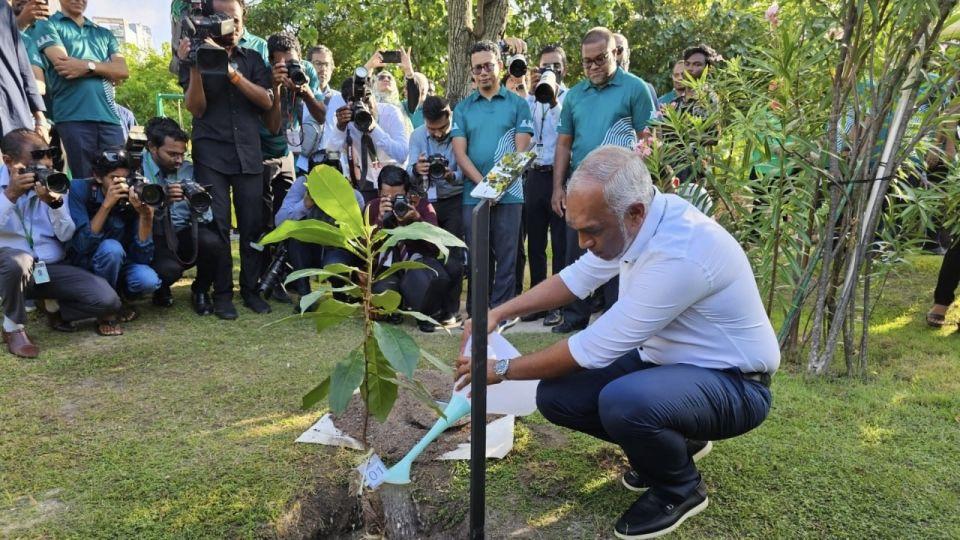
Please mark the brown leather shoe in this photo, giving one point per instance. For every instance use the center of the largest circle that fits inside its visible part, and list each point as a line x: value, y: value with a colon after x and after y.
x: 19, y: 344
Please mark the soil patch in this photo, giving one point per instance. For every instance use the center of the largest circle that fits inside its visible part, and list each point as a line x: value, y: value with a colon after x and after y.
x: 408, y: 422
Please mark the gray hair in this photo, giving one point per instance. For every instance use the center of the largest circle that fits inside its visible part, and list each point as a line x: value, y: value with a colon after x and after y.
x: 621, y: 172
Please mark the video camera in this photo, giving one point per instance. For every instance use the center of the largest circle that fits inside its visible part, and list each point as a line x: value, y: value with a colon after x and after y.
x: 200, y: 23
x: 360, y: 89
x: 401, y: 207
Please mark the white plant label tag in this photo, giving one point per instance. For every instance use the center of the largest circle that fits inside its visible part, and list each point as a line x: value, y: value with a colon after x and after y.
x: 373, y: 471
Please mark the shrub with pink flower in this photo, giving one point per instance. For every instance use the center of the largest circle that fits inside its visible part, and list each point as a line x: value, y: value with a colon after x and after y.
x: 772, y: 14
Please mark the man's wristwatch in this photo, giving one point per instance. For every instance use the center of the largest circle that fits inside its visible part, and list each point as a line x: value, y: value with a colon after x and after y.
x: 501, y: 367
x: 91, y: 67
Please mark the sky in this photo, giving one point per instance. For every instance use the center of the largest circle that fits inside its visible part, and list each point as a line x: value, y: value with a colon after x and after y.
x: 153, y: 13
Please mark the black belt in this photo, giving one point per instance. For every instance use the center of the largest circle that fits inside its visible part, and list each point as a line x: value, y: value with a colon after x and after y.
x: 760, y: 377
x: 542, y: 168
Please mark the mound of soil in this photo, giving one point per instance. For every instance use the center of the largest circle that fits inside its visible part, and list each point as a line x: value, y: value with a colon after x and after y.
x: 408, y: 422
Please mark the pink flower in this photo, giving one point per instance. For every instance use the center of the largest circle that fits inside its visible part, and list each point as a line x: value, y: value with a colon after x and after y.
x: 644, y: 147
x: 835, y: 34
x: 771, y: 14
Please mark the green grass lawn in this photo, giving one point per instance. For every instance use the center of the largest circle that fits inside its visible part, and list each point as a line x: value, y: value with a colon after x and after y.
x: 184, y: 428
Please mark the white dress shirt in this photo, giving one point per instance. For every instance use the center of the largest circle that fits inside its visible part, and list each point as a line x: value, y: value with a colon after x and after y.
x: 687, y: 296
x: 390, y: 136
x: 545, y: 120
x: 50, y: 228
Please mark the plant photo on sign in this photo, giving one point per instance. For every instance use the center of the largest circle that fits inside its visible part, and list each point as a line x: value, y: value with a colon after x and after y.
x: 387, y: 357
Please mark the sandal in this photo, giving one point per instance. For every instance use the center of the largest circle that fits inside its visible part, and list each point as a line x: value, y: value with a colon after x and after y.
x: 127, y: 314
x: 109, y: 328
x: 935, y: 320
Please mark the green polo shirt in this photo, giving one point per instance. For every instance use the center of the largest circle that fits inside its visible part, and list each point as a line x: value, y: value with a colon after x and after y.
x: 275, y: 146
x: 87, y: 99
x: 610, y: 115
x: 490, y: 127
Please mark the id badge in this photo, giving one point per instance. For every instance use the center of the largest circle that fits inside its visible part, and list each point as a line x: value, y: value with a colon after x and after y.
x: 40, y: 274
x: 538, y: 150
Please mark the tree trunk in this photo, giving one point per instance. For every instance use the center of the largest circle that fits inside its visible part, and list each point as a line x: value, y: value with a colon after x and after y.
x: 464, y: 28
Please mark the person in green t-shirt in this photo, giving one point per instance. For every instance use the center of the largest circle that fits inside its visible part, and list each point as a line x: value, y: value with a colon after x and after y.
x: 85, y: 64
x: 488, y: 124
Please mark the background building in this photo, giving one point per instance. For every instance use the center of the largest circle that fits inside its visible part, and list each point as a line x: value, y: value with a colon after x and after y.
x: 127, y: 32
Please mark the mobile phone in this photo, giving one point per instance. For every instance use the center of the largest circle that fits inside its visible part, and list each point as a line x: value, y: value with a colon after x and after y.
x: 390, y: 57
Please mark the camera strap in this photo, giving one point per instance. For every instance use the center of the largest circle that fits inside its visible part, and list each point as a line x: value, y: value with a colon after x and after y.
x: 27, y: 231
x: 173, y: 244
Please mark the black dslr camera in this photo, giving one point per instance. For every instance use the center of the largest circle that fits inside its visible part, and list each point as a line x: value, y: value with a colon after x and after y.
x: 151, y: 194
x: 401, y: 207
x: 54, y: 181
x: 295, y: 73
x: 197, y: 197
x: 200, y: 23
x: 360, y: 89
x: 437, y: 167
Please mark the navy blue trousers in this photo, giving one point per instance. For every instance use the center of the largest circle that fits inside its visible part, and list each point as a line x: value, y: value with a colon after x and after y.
x: 650, y: 410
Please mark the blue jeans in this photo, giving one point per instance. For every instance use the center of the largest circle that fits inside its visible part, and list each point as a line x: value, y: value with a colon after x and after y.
x: 82, y: 140
x: 650, y: 410
x: 130, y: 279
x: 504, y: 242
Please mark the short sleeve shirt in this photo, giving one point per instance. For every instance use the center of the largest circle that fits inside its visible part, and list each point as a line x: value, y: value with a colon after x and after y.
x: 226, y: 138
x: 87, y: 99
x: 613, y: 114
x: 490, y: 127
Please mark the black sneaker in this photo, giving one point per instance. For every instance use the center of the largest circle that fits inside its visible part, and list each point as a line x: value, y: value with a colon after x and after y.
x: 256, y: 304
x: 654, y: 515
x: 567, y: 327
x: 503, y: 326
x: 280, y: 295
x: 163, y: 297
x: 426, y: 327
x: 530, y: 317
x: 553, y: 318
x: 224, y: 309
x: 695, y: 449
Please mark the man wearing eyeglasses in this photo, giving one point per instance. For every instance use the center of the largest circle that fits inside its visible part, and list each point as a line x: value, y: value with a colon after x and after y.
x: 610, y: 106
x: 488, y: 124
x: 34, y: 225
x: 311, y: 148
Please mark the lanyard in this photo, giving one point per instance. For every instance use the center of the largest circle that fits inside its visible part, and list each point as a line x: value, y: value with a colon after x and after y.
x: 28, y: 232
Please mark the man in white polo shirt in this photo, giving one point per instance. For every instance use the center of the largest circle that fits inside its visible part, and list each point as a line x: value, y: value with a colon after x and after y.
x: 685, y: 355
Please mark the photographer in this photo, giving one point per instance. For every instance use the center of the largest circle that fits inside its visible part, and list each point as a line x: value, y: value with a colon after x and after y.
x: 438, y: 174
x: 311, y: 149
x: 183, y: 229
x: 114, y: 235
x: 365, y: 132
x: 422, y: 290
x: 540, y: 219
x: 226, y: 147
x: 34, y: 224
x: 85, y: 65
x: 297, y: 205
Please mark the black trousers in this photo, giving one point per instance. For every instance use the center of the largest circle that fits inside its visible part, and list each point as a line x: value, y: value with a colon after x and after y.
x: 247, y: 192
x: 278, y: 175
x: 81, y: 294
x: 422, y: 290
x: 303, y: 255
x: 578, y: 312
x: 450, y: 218
x: 949, y: 277
x: 211, y: 261
x: 540, y: 220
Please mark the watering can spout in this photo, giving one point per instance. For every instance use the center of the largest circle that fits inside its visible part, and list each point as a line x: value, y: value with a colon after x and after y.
x: 458, y: 407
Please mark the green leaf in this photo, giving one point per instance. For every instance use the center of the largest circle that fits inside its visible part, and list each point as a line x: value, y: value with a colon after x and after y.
x: 437, y: 363
x: 316, y: 395
x: 341, y: 269
x: 331, y: 312
x: 323, y: 274
x: 312, y: 231
x: 347, y: 376
x: 420, y: 317
x: 422, y: 231
x: 334, y: 195
x: 387, y: 300
x: 398, y: 348
x: 308, y: 300
x: 380, y: 390
x: 403, y: 265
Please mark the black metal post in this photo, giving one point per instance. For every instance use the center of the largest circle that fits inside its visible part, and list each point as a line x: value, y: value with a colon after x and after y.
x: 480, y: 279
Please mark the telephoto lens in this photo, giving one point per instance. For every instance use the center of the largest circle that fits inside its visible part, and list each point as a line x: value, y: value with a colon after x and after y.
x: 197, y: 197
x: 149, y: 194
x: 54, y: 181
x: 546, y: 90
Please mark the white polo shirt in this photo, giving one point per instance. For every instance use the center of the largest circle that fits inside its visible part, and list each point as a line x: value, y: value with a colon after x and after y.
x: 687, y: 296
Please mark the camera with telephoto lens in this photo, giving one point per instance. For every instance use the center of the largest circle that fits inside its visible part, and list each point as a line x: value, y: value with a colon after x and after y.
x: 197, y: 197
x: 516, y: 63
x: 278, y: 267
x: 200, y: 23
x: 437, y: 167
x: 295, y: 73
x: 546, y: 90
x: 54, y: 181
x: 401, y: 207
x: 360, y: 89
